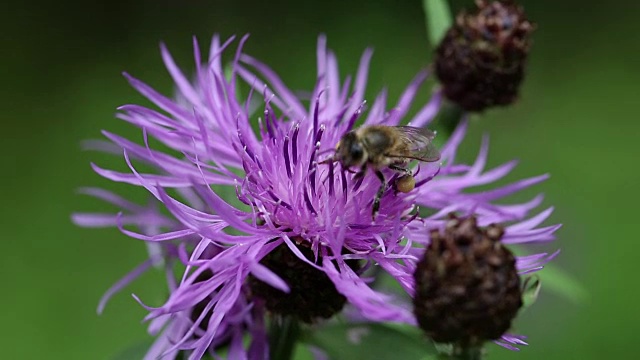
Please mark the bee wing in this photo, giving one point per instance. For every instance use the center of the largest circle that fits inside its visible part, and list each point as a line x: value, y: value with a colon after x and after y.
x: 420, y: 141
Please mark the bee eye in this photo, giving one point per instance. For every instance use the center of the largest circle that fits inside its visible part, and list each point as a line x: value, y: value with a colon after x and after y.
x: 356, y: 151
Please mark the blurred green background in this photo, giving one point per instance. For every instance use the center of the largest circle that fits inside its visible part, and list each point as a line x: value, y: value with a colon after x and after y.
x: 61, y: 83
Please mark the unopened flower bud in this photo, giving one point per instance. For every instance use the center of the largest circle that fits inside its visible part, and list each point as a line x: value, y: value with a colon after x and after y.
x: 467, y: 286
x: 481, y: 60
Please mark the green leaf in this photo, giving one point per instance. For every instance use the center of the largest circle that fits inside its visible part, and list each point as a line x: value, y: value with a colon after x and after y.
x: 228, y: 72
x: 372, y: 341
x: 530, y: 290
x: 558, y: 281
x: 563, y: 284
x: 135, y: 351
x: 438, y: 18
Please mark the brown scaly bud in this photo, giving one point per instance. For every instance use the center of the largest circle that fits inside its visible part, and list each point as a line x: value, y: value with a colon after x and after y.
x: 312, y: 294
x: 467, y: 287
x: 481, y: 60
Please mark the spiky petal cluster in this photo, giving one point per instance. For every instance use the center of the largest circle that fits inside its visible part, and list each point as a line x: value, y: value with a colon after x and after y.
x: 284, y: 198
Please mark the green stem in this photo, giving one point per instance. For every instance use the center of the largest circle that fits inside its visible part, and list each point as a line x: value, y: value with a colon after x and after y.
x: 469, y: 353
x: 283, y: 335
x: 462, y: 353
x: 449, y: 118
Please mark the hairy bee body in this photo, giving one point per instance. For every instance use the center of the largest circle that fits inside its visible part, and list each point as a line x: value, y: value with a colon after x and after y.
x: 378, y: 147
x: 380, y: 141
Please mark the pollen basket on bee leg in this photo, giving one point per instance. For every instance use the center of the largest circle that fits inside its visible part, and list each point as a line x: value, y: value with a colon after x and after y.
x: 405, y: 183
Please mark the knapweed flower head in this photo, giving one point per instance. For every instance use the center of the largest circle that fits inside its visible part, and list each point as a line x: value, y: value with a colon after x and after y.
x: 296, y: 237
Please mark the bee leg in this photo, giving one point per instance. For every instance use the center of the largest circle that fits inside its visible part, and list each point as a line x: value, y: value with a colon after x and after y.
x: 376, y: 201
x: 400, y: 169
x: 359, y: 177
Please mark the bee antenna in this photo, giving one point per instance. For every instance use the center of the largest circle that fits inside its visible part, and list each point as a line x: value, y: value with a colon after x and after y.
x: 326, y: 151
x: 328, y: 160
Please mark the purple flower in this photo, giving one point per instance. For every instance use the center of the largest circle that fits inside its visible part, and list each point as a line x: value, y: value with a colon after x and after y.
x: 286, y: 203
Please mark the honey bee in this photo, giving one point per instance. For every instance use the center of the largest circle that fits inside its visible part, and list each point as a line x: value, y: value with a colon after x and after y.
x: 376, y: 147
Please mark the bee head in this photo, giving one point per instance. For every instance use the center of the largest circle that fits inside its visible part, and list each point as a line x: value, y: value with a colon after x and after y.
x: 350, y: 151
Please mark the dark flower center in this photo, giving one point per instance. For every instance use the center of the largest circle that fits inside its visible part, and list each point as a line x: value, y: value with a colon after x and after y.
x: 312, y: 294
